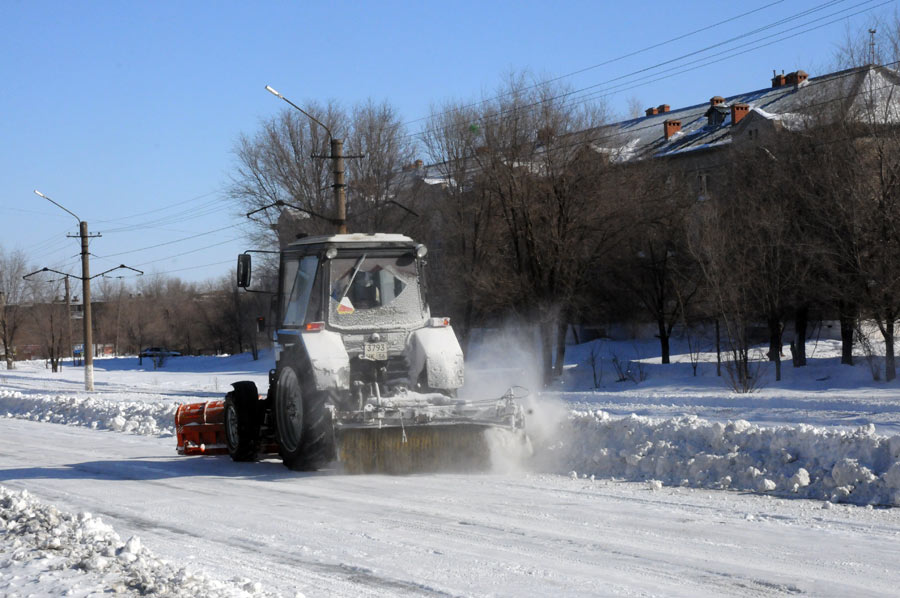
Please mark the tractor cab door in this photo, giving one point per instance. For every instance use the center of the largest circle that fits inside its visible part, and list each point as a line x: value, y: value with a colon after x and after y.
x: 300, y: 285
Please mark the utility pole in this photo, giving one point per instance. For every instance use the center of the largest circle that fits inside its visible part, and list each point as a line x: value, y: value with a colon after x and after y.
x: 340, y: 194
x: 3, y: 324
x: 119, y: 318
x: 86, y: 298
x: 337, y: 161
x: 86, y: 294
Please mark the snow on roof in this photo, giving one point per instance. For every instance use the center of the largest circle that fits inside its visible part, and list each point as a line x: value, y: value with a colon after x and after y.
x: 850, y: 93
x: 360, y: 238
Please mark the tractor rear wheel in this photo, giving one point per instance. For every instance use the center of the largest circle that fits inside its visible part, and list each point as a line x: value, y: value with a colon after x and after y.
x: 241, y: 433
x: 302, y: 424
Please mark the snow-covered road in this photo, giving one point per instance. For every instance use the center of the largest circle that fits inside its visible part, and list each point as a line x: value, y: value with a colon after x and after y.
x: 507, y: 535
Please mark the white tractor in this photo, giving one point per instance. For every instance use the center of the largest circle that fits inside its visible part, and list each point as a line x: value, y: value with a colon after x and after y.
x: 363, y: 373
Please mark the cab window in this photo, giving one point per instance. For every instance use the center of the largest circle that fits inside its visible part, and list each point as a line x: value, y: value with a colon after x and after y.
x: 298, y: 283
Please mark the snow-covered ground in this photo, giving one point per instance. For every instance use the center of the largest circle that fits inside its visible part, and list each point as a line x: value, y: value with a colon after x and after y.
x: 624, y: 495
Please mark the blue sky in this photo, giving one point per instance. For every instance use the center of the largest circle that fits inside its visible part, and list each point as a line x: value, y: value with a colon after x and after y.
x: 127, y: 113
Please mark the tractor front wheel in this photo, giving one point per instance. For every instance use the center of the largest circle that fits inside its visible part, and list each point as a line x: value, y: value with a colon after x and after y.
x: 302, y: 424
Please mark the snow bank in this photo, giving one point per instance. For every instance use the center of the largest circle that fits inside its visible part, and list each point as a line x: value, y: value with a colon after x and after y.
x: 70, y: 551
x: 856, y: 466
x: 136, y: 417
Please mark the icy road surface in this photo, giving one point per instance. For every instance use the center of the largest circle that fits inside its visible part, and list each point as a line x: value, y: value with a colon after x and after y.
x: 447, y: 535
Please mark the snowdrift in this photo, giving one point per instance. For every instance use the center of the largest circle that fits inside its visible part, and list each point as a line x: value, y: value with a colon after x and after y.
x: 136, y: 417
x: 857, y: 466
x: 62, y: 547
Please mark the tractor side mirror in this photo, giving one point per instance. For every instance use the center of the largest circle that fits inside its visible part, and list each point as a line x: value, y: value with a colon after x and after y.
x: 243, y: 270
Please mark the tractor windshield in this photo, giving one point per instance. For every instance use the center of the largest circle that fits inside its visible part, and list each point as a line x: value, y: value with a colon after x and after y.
x: 375, y: 292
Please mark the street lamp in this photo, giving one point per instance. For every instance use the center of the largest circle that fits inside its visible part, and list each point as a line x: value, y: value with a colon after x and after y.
x: 337, y: 160
x: 86, y: 295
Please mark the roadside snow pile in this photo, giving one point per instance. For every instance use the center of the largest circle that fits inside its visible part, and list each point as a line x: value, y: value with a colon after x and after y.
x: 135, y: 417
x: 857, y: 466
x: 79, y: 554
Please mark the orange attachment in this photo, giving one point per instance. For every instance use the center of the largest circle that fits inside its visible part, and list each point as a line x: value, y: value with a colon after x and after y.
x: 200, y: 428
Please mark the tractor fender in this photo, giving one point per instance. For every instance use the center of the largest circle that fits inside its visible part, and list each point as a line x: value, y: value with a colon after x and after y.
x: 328, y: 359
x: 437, y: 351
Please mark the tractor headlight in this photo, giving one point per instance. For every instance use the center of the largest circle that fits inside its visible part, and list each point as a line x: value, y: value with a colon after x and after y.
x: 331, y: 253
x: 421, y: 251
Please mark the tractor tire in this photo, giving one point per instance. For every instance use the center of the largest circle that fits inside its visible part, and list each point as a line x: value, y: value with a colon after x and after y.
x: 241, y: 429
x: 303, y: 424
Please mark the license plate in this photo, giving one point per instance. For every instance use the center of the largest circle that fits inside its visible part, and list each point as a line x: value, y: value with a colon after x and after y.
x: 375, y: 351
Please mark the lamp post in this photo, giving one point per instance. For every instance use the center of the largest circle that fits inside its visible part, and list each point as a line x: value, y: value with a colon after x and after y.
x: 86, y: 295
x: 337, y: 161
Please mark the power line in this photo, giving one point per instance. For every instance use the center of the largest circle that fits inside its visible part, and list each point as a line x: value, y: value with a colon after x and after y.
x: 672, y: 73
x: 174, y: 241
x: 787, y: 35
x: 612, y: 60
x: 196, y: 267
x: 849, y: 73
x: 177, y: 255
x: 155, y: 210
x: 788, y: 90
x: 205, y: 209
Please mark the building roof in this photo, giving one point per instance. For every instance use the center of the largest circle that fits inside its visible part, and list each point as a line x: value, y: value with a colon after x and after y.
x: 793, y: 104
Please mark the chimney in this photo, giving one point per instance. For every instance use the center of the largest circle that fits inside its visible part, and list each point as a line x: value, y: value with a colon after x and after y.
x: 670, y: 127
x: 778, y: 80
x: 716, y: 100
x: 663, y: 108
x: 651, y: 111
x: 797, y: 78
x: 419, y: 164
x: 739, y: 111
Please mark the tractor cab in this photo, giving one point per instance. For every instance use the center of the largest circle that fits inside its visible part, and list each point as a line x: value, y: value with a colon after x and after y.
x: 352, y: 283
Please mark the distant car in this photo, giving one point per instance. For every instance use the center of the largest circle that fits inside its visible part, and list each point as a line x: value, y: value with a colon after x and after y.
x: 159, y: 352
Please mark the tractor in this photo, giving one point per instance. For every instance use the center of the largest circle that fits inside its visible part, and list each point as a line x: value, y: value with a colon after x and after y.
x: 364, y: 375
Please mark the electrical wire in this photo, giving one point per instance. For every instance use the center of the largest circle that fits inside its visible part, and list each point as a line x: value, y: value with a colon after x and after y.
x: 196, y: 267
x: 850, y: 72
x: 805, y: 107
x: 155, y: 210
x: 205, y: 209
x: 174, y: 241
x: 171, y: 257
x: 787, y: 34
x: 610, y: 61
x: 617, y: 135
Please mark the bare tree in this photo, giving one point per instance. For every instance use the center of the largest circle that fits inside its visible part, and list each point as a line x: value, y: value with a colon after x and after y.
x: 727, y: 266
x: 12, y: 288
x: 381, y: 149
x: 878, y: 43
x: 653, y: 263
x: 462, y: 218
x: 48, y: 319
x: 544, y: 175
